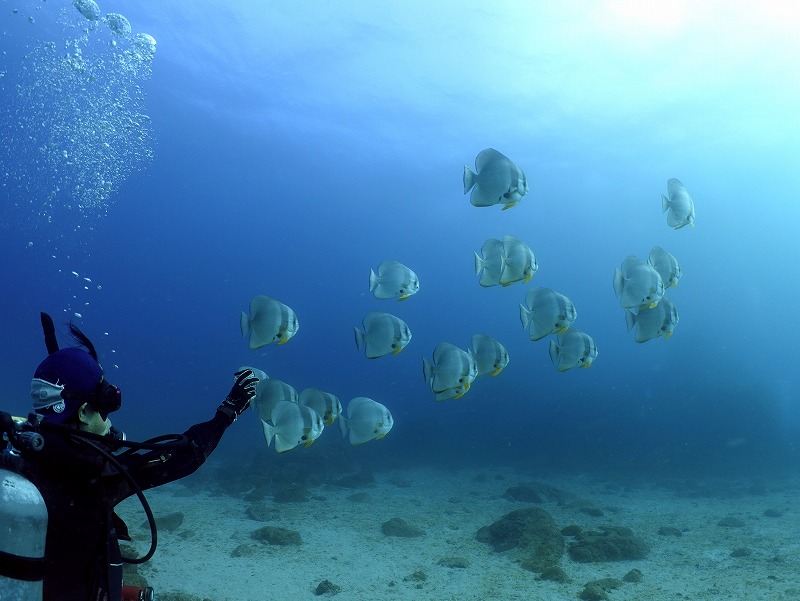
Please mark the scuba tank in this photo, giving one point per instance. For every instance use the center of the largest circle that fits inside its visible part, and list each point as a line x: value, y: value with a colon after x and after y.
x: 23, y: 520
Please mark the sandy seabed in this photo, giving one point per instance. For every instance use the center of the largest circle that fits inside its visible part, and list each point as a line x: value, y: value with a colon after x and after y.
x: 342, y: 541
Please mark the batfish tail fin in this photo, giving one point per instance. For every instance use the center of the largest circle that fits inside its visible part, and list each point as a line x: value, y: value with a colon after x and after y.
x: 469, y: 179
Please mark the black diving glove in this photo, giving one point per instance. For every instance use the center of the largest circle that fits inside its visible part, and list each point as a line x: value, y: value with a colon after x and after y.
x: 238, y: 399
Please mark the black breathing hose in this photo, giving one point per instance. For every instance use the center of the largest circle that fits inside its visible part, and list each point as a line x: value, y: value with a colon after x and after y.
x: 139, y: 493
x: 159, y: 443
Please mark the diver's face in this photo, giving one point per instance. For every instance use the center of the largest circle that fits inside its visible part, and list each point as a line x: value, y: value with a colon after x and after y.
x: 90, y: 420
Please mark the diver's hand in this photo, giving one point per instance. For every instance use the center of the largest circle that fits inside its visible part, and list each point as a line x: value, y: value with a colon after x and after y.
x: 238, y: 399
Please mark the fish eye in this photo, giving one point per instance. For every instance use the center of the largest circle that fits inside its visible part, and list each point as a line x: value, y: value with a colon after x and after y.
x: 394, y: 345
x: 279, y: 334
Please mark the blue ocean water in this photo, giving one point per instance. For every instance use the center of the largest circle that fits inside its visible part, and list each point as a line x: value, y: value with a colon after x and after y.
x: 286, y: 150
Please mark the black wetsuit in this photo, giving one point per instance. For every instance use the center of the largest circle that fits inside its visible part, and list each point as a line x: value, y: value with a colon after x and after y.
x: 81, y: 488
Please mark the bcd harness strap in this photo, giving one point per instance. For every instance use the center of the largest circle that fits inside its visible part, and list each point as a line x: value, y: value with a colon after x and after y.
x: 21, y: 568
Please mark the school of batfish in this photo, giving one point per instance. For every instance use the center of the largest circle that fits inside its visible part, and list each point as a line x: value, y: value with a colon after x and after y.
x: 291, y: 419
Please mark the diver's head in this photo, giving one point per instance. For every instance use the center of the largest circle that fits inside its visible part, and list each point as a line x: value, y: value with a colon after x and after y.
x: 68, y: 386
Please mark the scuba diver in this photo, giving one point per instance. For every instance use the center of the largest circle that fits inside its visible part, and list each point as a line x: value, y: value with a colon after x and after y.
x: 83, y: 467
